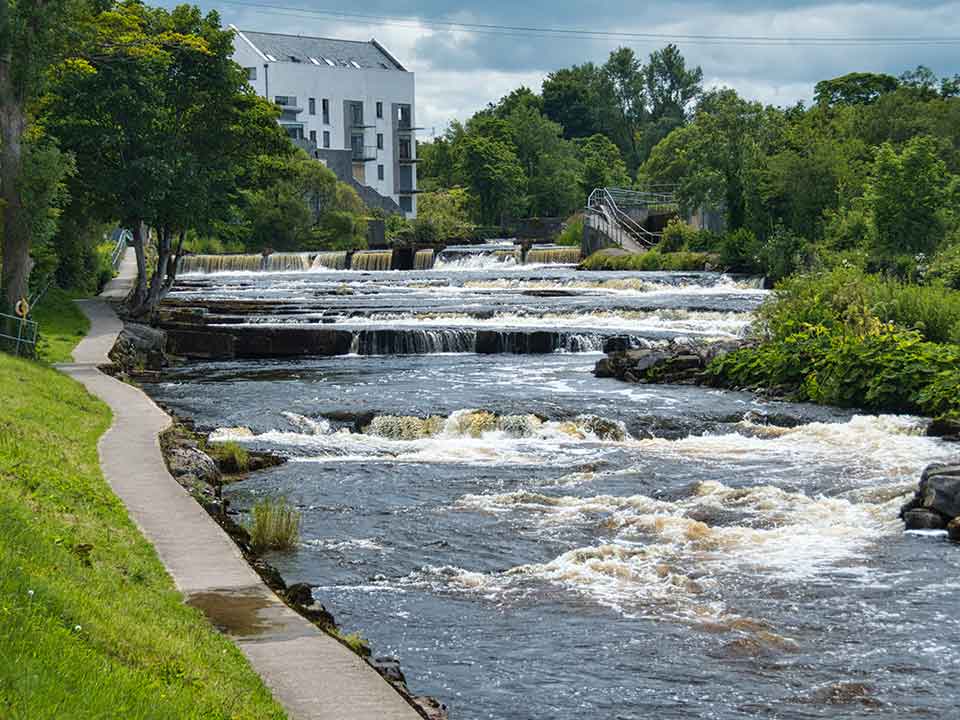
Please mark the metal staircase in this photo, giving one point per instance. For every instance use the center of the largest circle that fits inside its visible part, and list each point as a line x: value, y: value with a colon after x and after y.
x: 618, y: 215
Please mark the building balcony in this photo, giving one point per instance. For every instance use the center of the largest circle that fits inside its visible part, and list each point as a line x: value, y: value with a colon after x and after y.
x: 409, y: 160
x: 365, y: 153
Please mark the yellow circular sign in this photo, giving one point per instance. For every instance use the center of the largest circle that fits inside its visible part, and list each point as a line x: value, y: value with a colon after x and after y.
x: 22, y: 308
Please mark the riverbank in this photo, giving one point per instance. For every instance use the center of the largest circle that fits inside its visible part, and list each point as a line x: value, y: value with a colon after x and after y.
x: 842, y: 338
x: 204, y: 469
x: 91, y: 622
x: 312, y: 674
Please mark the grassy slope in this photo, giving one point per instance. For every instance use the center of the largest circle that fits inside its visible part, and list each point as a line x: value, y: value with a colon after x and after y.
x: 90, y: 624
x: 62, y: 324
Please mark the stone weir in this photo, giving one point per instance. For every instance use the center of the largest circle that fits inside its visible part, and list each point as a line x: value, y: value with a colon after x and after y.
x: 273, y: 341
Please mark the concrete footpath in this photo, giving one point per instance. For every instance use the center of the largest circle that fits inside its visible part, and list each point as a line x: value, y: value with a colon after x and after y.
x: 312, y: 675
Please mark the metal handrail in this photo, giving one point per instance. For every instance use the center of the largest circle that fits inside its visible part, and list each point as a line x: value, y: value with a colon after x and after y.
x: 25, y: 337
x: 123, y: 238
x: 602, y: 200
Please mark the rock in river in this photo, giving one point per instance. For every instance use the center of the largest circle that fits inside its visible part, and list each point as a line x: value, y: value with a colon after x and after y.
x: 936, y: 501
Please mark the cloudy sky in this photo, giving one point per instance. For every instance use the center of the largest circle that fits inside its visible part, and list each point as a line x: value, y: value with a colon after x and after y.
x: 458, y: 72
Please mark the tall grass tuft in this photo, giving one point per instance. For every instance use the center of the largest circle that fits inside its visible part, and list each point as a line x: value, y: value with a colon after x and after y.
x: 276, y: 525
x: 230, y: 456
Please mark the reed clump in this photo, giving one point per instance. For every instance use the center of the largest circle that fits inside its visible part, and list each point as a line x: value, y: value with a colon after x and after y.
x: 230, y: 456
x: 276, y: 525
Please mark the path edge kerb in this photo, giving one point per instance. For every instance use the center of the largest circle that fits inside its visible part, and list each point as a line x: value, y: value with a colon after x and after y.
x: 310, y: 673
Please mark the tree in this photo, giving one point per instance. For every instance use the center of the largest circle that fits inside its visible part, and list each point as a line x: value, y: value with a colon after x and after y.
x: 858, y: 88
x: 448, y: 211
x: 670, y: 86
x: 493, y: 175
x: 162, y: 123
x: 570, y: 98
x: 906, y: 193
x: 711, y: 160
x: 33, y: 35
x: 625, y: 107
x: 602, y: 163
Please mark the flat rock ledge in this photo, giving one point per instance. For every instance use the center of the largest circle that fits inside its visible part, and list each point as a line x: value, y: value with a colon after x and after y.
x: 936, y: 503
x: 681, y: 361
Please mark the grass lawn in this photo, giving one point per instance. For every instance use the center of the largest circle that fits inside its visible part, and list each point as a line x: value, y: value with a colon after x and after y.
x: 90, y: 624
x: 62, y: 325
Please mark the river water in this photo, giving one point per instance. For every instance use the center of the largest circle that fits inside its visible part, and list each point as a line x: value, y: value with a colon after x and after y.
x: 534, y: 542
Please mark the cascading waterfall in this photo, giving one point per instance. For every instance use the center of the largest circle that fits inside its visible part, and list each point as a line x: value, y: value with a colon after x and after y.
x: 220, y: 263
x: 423, y: 260
x: 553, y: 255
x: 336, y: 260
x: 413, y: 341
x: 373, y: 260
x: 287, y: 262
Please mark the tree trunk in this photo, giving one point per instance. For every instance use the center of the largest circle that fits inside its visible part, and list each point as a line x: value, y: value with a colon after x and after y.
x: 139, y: 295
x: 16, y: 233
x: 164, y: 274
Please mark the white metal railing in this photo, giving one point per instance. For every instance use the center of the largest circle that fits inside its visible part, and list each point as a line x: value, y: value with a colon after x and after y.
x: 123, y: 237
x: 603, y: 202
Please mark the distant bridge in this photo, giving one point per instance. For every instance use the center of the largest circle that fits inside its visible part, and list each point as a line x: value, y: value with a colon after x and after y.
x: 629, y: 219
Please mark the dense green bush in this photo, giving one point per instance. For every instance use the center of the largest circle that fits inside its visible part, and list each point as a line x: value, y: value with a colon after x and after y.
x: 945, y: 267
x: 678, y: 235
x: 851, y: 298
x: 650, y: 260
x: 784, y: 253
x: 572, y: 233
x: 740, y: 251
x: 886, y: 369
x: 856, y: 340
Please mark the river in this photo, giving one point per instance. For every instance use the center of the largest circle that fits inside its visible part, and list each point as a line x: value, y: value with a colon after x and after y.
x: 536, y: 543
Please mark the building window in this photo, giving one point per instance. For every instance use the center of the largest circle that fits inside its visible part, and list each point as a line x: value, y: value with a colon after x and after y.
x: 313, y: 106
x: 379, y: 109
x: 325, y: 107
x: 406, y: 203
x: 356, y: 114
x: 403, y: 117
x: 379, y: 172
x: 313, y: 136
x: 356, y: 145
x: 379, y: 141
x: 285, y: 100
x: 405, y: 149
x: 326, y: 138
x: 251, y: 74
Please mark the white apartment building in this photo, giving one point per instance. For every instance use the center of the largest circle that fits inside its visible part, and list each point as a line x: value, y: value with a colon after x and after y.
x: 349, y: 103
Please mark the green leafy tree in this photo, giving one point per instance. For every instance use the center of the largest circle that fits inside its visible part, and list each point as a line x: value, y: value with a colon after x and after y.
x: 33, y: 35
x: 163, y: 126
x: 858, y: 88
x: 906, y: 193
x: 571, y: 99
x: 712, y: 160
x: 603, y: 165
x: 493, y: 176
x: 448, y: 211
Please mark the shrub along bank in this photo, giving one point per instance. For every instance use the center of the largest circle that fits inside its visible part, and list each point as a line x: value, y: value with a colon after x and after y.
x: 855, y: 340
x: 90, y: 624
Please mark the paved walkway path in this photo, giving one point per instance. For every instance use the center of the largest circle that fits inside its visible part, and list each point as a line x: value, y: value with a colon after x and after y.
x: 310, y: 673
